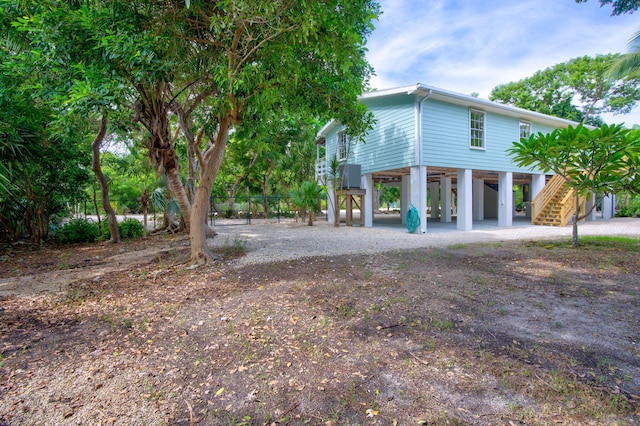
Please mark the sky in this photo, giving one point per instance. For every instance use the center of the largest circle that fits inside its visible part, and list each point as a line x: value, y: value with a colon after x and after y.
x: 471, y: 46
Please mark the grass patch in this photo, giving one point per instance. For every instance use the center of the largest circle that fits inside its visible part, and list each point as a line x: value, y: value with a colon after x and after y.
x: 592, y: 242
x: 626, y: 243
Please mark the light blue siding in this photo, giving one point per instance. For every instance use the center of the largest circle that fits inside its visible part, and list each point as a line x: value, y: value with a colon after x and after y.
x: 391, y: 143
x: 445, y: 130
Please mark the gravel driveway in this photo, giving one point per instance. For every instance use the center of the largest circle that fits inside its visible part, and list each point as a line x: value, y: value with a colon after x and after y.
x: 267, y: 242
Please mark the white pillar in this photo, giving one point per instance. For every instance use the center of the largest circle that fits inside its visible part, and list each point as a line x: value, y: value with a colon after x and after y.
x: 505, y: 199
x: 330, y: 198
x: 591, y: 201
x: 537, y: 183
x: 445, y: 199
x: 405, y: 198
x: 465, y: 200
x: 419, y: 194
x: 367, y: 184
x: 434, y: 189
x: 478, y: 199
x: 607, y: 207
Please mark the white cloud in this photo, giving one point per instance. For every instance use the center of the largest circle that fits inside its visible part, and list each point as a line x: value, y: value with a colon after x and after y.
x: 467, y: 46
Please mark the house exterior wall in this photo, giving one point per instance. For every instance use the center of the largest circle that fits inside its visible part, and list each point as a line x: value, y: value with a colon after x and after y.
x: 445, y: 129
x: 390, y: 144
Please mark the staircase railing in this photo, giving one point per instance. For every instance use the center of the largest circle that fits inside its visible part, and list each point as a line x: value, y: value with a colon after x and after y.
x: 549, y: 196
x: 545, y: 197
x: 569, y: 207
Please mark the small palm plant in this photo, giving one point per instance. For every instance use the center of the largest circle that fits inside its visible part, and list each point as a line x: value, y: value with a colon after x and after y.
x: 307, y: 198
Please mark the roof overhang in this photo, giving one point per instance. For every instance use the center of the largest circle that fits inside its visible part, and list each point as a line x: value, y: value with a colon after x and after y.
x: 425, y: 91
x: 422, y: 90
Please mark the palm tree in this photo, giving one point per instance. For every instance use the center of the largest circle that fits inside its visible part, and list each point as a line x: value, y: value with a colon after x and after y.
x: 307, y: 198
x: 628, y: 65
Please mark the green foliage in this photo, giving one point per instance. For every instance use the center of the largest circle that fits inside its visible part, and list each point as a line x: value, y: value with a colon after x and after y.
x: 131, y: 228
x: 602, y: 160
x: 78, y: 231
x: 577, y: 90
x: 307, y: 197
x: 631, y: 210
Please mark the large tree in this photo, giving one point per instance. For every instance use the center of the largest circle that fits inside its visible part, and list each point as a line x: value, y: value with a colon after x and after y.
x: 285, y: 56
x: 600, y: 161
x: 578, y: 90
x: 42, y: 166
x: 228, y: 62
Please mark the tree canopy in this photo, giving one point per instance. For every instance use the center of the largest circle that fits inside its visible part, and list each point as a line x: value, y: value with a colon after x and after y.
x: 578, y: 90
x: 190, y: 72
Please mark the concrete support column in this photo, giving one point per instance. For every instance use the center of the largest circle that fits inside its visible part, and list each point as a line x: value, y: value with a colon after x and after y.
x: 537, y: 183
x: 505, y: 199
x: 330, y: 202
x: 367, y: 184
x: 465, y: 200
x: 591, y: 201
x: 608, y: 206
x: 478, y: 199
x: 405, y: 197
x: 419, y: 194
x: 434, y: 190
x: 445, y: 199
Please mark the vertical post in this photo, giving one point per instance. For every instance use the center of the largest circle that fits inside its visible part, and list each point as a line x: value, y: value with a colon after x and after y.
x: 445, y: 201
x: 366, y: 207
x: 405, y: 198
x: 478, y: 199
x: 248, y: 210
x: 537, y: 185
x: 331, y: 201
x: 505, y: 199
x: 465, y: 200
x: 591, y: 201
x: 434, y: 188
x: 419, y: 194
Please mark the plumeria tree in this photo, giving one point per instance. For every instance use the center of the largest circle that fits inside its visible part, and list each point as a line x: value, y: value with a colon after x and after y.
x: 602, y: 160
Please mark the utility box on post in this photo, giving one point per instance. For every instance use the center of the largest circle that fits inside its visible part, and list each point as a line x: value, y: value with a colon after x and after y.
x: 349, y: 176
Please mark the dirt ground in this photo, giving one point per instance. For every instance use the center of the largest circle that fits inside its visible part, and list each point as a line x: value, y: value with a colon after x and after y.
x: 507, y: 333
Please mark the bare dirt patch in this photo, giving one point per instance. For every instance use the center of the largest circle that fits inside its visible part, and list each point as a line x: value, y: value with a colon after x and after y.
x: 504, y: 333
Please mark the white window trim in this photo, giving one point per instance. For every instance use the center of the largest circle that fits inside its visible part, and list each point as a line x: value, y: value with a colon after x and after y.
x: 484, y: 129
x: 342, y: 154
x: 520, y: 123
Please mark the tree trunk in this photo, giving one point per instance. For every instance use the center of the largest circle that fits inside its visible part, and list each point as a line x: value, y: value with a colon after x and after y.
x: 212, y: 159
x: 97, y: 169
x: 177, y: 189
x: 574, y: 238
x: 336, y: 208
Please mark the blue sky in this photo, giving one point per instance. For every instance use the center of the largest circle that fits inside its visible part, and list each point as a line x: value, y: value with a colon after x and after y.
x: 471, y: 46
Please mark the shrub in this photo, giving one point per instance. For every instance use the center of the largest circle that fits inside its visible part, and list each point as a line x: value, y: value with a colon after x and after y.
x: 78, y: 231
x: 131, y: 228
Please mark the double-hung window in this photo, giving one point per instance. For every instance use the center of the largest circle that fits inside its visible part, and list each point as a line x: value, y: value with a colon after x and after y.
x: 525, y: 129
x: 476, y: 129
x: 343, y: 145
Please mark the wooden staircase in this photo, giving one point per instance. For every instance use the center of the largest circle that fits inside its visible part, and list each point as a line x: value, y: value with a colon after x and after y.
x: 555, y: 204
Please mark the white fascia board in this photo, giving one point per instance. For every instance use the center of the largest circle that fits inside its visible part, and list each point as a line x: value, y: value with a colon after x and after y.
x: 324, y: 131
x: 471, y: 102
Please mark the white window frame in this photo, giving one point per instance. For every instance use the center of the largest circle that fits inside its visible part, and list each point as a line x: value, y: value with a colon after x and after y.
x: 477, y: 129
x: 342, y: 146
x: 524, y: 125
